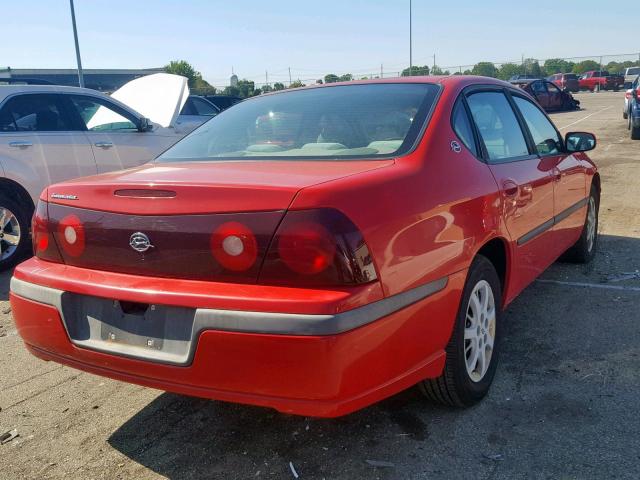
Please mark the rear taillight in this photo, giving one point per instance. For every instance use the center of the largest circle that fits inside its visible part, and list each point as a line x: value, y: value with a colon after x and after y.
x: 71, y: 235
x: 44, y: 246
x: 234, y: 246
x: 317, y: 247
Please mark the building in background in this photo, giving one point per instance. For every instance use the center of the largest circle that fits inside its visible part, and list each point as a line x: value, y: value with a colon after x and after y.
x: 105, y: 80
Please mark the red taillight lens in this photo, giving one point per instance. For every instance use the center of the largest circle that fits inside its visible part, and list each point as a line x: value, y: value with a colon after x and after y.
x: 71, y: 235
x: 317, y: 247
x: 306, y: 247
x: 234, y: 246
x: 43, y: 244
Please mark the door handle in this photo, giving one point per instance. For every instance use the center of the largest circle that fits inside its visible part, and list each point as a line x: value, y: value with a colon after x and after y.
x: 557, y: 174
x: 103, y: 144
x: 20, y: 144
x: 510, y: 188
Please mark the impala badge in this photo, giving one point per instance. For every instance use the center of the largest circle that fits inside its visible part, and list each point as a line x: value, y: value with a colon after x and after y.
x: 140, y: 242
x: 455, y: 147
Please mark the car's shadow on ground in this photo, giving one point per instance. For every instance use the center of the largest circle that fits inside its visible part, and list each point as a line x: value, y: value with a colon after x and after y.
x: 550, y: 395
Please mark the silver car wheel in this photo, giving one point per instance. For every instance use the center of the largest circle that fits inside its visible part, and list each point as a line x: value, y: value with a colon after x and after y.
x: 9, y: 233
x: 480, y: 330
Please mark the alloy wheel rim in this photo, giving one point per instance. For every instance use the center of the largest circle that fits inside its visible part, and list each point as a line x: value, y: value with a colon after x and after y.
x: 591, y: 224
x: 9, y: 233
x: 480, y: 331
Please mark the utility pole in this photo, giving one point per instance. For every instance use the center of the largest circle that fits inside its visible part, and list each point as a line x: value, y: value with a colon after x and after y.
x: 410, y: 40
x: 434, y: 61
x: 266, y: 77
x: 75, y: 37
x: 381, y: 72
x: 289, y: 76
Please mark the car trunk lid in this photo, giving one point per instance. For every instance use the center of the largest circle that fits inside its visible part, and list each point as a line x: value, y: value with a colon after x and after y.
x: 161, y: 219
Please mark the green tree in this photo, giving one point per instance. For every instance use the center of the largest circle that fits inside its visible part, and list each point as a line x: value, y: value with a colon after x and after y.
x: 184, y: 68
x: 485, y: 69
x: 436, y: 70
x: 278, y: 86
x: 532, y: 68
x: 508, y: 70
x: 347, y: 77
x: 585, y: 66
x: 467, y: 72
x: 266, y: 88
x: 415, y: 71
x: 296, y: 84
x: 244, y: 89
x: 331, y: 78
x: 557, y: 65
x: 194, y: 78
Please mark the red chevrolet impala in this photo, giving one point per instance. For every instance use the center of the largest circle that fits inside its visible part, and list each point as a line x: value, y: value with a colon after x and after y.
x: 314, y: 250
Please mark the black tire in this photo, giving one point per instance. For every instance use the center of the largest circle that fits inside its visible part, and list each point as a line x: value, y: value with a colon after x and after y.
x: 22, y: 215
x: 635, y: 131
x: 584, y: 250
x: 625, y: 115
x: 455, y: 386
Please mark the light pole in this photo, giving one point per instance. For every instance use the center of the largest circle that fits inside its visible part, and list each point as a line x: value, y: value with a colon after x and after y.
x: 75, y: 37
x: 410, y: 41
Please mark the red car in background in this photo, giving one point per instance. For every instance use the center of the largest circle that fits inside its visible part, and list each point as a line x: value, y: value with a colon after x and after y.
x: 596, y: 80
x: 565, y: 81
x: 366, y: 241
x: 548, y: 95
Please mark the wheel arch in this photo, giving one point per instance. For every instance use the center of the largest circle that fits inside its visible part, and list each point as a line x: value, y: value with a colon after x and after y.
x: 596, y: 182
x: 14, y: 189
x: 496, y: 250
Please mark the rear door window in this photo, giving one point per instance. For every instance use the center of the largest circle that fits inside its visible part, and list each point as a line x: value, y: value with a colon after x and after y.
x: 498, y: 126
x: 35, y: 112
x: 545, y: 136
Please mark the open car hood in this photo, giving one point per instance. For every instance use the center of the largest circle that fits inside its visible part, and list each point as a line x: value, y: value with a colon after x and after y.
x: 159, y: 97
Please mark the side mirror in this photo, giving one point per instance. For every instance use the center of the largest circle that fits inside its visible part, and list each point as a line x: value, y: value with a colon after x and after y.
x: 580, y: 141
x: 144, y: 124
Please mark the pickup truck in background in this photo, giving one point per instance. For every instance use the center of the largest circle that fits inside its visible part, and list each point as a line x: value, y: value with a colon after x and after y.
x: 596, y: 80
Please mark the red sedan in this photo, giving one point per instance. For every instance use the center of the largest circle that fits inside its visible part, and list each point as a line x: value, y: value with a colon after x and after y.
x: 314, y: 250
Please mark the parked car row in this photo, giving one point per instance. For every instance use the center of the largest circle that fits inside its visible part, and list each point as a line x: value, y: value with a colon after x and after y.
x: 548, y: 95
x: 312, y: 250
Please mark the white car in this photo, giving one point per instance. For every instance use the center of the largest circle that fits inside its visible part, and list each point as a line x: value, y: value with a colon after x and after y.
x: 630, y: 74
x: 51, y: 133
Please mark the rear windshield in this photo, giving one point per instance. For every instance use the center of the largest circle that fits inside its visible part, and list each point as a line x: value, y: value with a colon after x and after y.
x: 633, y: 71
x: 348, y: 121
x: 570, y: 76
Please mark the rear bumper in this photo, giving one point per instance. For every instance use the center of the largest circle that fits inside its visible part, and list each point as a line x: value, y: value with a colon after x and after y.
x: 307, y: 364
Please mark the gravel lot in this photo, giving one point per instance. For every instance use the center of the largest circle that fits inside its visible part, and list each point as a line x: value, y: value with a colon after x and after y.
x: 565, y: 403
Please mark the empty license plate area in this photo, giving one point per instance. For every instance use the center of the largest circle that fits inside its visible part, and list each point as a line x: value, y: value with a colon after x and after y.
x: 152, y: 332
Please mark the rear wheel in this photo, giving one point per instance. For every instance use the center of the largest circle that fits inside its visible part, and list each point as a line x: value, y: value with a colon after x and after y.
x: 635, y: 130
x: 472, y: 352
x: 584, y: 249
x: 14, y: 232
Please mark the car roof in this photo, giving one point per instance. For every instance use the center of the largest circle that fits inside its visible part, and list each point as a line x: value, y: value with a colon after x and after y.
x: 6, y: 90
x: 451, y: 81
